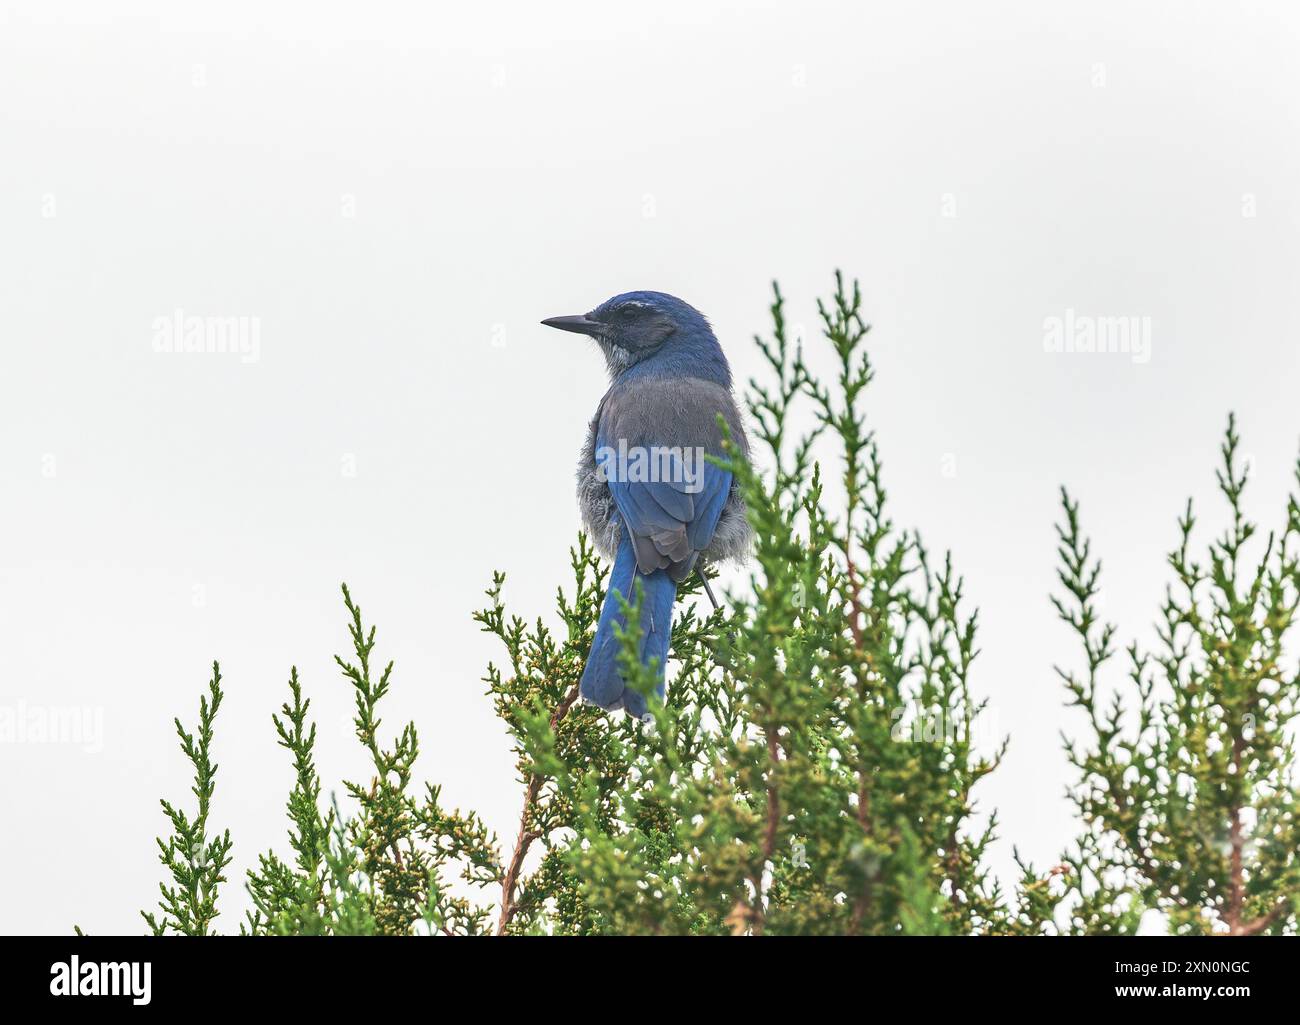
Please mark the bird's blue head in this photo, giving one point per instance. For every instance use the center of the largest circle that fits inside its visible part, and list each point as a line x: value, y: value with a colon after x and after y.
x: 634, y: 326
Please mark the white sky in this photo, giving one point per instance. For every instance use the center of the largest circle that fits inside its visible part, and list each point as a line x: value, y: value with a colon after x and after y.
x: 506, y: 162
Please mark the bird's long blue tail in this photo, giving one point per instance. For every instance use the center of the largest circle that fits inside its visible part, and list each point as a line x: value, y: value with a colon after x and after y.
x: 602, y: 683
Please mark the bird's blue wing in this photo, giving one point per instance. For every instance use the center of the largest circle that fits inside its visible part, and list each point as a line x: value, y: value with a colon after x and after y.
x: 669, y: 524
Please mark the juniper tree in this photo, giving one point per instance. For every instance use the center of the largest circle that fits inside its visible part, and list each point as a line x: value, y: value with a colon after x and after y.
x: 778, y: 791
x: 194, y: 860
x: 1187, y: 785
x: 811, y: 772
x: 384, y: 870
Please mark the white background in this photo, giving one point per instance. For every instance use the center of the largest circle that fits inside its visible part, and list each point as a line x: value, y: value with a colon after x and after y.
x: 511, y: 161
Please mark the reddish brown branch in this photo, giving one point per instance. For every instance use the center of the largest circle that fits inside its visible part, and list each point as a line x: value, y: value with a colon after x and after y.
x: 1236, y: 887
x: 855, y: 602
x: 758, y: 915
x: 773, y: 798
x: 863, y: 901
x: 524, y: 839
x: 1258, y: 925
x: 522, y: 842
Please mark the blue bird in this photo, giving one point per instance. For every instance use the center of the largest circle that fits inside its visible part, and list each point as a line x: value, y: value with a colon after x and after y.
x: 649, y: 499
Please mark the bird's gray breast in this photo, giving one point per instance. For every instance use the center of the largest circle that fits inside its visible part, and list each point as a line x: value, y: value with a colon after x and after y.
x: 595, y: 502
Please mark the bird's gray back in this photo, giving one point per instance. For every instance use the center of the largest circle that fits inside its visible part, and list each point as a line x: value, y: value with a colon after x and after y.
x: 678, y: 412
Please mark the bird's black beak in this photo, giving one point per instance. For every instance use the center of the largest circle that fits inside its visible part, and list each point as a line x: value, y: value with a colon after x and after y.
x: 581, y: 324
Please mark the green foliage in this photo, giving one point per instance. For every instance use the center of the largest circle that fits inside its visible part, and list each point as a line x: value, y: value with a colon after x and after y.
x: 1188, y: 789
x: 195, y: 861
x: 812, y: 770
x: 385, y: 869
x: 321, y: 893
x: 780, y: 791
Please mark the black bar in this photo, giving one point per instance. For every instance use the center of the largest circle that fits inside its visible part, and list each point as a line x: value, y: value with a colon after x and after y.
x: 921, y: 975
